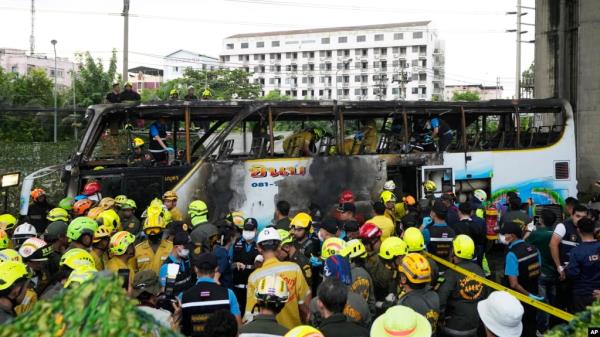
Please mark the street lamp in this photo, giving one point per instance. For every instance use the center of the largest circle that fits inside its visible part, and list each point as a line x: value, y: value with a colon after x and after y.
x: 336, y: 76
x: 55, y: 93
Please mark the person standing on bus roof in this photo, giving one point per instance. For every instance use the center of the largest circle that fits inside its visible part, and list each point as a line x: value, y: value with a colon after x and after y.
x: 190, y: 94
x: 115, y: 95
x: 129, y: 94
x: 439, y: 128
x: 158, y: 144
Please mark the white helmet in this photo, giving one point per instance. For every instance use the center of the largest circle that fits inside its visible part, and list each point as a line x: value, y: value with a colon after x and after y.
x: 23, y: 232
x: 480, y: 195
x: 33, y: 250
x: 268, y: 234
x: 389, y: 186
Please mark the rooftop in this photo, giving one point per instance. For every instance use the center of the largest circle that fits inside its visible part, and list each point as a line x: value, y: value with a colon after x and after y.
x: 189, y: 52
x: 334, y: 29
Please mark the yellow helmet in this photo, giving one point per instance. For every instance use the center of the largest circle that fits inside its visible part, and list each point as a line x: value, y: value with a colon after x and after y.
x: 94, y: 212
x: 10, y: 255
x: 301, y: 220
x: 58, y: 214
x: 416, y: 268
x: 387, y: 196
x: 170, y: 195
x: 463, y: 247
x: 173, y: 92
x: 75, y: 258
x: 286, y: 237
x: 414, y: 239
x: 7, y: 221
x: 206, y: 93
x: 120, y: 242
x: 138, y: 142
x: 110, y: 218
x: 78, y: 276
x: 304, y: 331
x: 392, y: 247
x: 332, y: 246
x: 120, y: 200
x: 236, y: 218
x: 154, y: 221
x: 156, y: 203
x: 4, y: 239
x: 429, y: 186
x: 272, y: 289
x: 10, y: 272
x: 101, y: 233
x: 354, y: 249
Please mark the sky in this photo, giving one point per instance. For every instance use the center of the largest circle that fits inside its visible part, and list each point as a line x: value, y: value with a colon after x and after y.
x: 478, y: 50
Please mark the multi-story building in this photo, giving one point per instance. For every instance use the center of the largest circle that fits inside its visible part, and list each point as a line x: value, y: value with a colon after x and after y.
x: 18, y: 61
x: 176, y: 63
x: 485, y: 92
x: 145, y: 78
x: 388, y: 61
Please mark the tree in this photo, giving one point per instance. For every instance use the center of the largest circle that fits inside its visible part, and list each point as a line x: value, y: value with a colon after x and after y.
x: 527, y: 82
x: 466, y: 96
x: 34, y: 89
x: 92, y: 82
x: 275, y: 95
x: 6, y: 87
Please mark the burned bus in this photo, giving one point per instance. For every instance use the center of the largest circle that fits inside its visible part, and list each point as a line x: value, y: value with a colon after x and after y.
x: 231, y: 153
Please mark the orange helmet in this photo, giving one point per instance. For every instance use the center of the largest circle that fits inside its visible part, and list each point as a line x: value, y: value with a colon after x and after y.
x: 37, y: 193
x: 409, y: 200
x: 82, y: 206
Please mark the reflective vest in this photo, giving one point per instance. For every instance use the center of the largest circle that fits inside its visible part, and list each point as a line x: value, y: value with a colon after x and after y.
x: 568, y: 242
x: 241, y: 255
x: 529, y: 265
x: 147, y: 259
x: 440, y: 242
x: 198, y: 303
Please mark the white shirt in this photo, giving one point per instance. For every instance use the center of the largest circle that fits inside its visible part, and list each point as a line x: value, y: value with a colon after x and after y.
x: 560, y: 230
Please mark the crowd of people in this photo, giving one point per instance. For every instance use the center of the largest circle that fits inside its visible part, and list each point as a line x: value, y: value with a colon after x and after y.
x: 313, y: 274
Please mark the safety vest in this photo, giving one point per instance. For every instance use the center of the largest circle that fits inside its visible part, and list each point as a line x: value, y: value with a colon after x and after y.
x: 147, y: 259
x: 241, y: 255
x: 162, y: 133
x: 569, y: 241
x: 529, y: 265
x: 440, y: 242
x: 198, y: 303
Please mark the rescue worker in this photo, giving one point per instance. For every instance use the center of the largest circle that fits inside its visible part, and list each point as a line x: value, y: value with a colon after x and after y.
x: 121, y: 249
x: 415, y: 278
x: 129, y: 221
x: 8, y: 223
x: 362, y: 283
x: 296, y: 308
x: 383, y: 222
x: 151, y: 253
x: 389, y: 200
x: 438, y: 236
x: 205, y: 298
x: 23, y: 232
x: 271, y: 295
x: 158, y: 140
x: 288, y: 252
x: 515, y: 213
x: 300, y: 228
x: 222, y: 249
x: 584, y: 266
x: 180, y: 255
x: 173, y: 94
x: 170, y: 202
x: 73, y: 259
x: 81, y: 207
x: 460, y: 294
x: 115, y: 95
x: 128, y: 94
x: 391, y: 253
x: 204, y: 234
x: 452, y: 216
x: 440, y: 129
x: 190, y: 94
x: 56, y: 236
x: 364, y: 140
x: 565, y: 238
x: 110, y: 219
x: 522, y: 270
x: 13, y: 286
x: 81, y: 232
x: 57, y: 214
x: 38, y: 210
x: 244, y: 258
x: 282, y: 212
x: 92, y: 190
x: 139, y: 155
x: 430, y: 188
x: 370, y: 235
x: 100, y: 244
x: 35, y: 252
x: 416, y: 244
x: 330, y: 228
x: 302, y: 143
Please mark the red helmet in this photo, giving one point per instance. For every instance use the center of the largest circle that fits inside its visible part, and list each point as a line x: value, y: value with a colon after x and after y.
x: 82, y: 206
x: 347, y: 197
x: 369, y: 231
x: 91, y: 188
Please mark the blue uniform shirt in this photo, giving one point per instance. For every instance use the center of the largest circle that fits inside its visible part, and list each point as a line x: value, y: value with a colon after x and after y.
x: 584, y: 268
x: 224, y: 261
x: 234, y: 306
x: 511, y: 267
x: 162, y: 274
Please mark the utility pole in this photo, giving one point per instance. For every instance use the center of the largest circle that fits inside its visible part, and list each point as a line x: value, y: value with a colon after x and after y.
x: 497, y: 87
x: 402, y: 81
x: 32, y: 36
x: 125, y: 39
x: 519, y: 32
x: 55, y: 95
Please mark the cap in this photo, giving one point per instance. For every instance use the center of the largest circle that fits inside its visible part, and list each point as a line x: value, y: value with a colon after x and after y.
x: 338, y: 267
x: 178, y: 227
x: 501, y: 313
x: 331, y: 225
x: 147, y: 281
x: 55, y: 230
x: 250, y: 224
x: 346, y: 207
x: 181, y: 238
x: 351, y: 226
x: 206, y: 261
x: 512, y: 228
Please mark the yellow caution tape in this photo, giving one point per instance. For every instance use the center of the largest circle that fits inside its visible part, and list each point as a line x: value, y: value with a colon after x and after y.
x: 521, y: 297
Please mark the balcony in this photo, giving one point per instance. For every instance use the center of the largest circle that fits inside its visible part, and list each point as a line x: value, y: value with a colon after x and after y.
x: 438, y: 78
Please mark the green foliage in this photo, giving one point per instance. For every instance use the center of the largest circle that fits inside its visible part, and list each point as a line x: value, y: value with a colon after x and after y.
x: 275, y: 95
x: 578, y: 326
x: 467, y: 96
x: 34, y: 89
x: 6, y: 87
x: 93, y: 82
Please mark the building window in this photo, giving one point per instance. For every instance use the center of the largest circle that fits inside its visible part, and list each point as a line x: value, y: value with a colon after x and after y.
x: 417, y: 35
x: 176, y: 69
x: 342, y: 39
x: 361, y: 38
x: 325, y: 40
x: 415, y: 90
x: 398, y: 36
x: 230, y: 46
x: 260, y: 44
x: 378, y: 37
x: 244, y: 45
x: 225, y: 58
x: 325, y: 53
x: 274, y: 43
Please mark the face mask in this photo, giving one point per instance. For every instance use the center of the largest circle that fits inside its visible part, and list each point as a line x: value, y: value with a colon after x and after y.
x: 321, y: 238
x: 155, y: 238
x: 248, y: 235
x: 184, y: 253
x: 502, y: 239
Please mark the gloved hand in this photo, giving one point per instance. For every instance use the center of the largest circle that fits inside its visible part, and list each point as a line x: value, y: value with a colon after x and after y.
x: 530, y: 227
x: 169, y: 149
x: 535, y: 297
x: 391, y: 297
x: 315, y: 261
x: 359, y: 135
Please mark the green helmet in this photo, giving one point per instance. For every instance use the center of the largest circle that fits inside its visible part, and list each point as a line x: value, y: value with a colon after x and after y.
x: 197, y: 208
x: 80, y: 226
x: 120, y: 200
x: 67, y: 203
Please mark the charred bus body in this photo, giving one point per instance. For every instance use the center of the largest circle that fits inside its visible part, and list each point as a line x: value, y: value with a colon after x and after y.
x: 232, y: 154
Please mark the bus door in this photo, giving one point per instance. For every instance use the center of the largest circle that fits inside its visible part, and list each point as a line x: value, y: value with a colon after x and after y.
x: 442, y: 176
